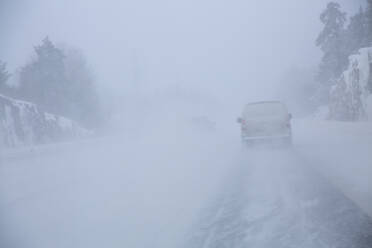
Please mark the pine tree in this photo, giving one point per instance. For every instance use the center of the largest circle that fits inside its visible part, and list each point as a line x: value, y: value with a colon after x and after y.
x: 332, y: 42
x: 369, y: 22
x: 59, y: 80
x: 43, y: 81
x: 357, y: 32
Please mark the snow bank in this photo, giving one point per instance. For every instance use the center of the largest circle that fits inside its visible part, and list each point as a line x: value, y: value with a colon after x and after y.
x: 23, y: 123
x: 340, y: 151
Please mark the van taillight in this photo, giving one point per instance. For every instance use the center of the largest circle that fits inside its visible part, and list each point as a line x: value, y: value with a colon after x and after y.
x: 244, y: 127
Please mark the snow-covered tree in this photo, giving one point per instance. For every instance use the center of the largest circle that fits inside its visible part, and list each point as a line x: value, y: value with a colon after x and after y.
x: 332, y: 42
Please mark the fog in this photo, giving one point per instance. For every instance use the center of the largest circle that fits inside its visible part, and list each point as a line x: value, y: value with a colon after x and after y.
x: 167, y: 167
x: 220, y: 48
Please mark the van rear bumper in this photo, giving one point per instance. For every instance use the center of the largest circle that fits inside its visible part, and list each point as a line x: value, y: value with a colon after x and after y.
x: 268, y: 140
x: 272, y: 137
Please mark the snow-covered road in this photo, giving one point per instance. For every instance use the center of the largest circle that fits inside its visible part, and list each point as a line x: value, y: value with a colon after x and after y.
x: 183, y: 190
x: 281, y: 204
x: 107, y: 193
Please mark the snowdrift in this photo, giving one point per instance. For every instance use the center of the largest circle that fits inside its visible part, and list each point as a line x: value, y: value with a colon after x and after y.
x: 24, y: 123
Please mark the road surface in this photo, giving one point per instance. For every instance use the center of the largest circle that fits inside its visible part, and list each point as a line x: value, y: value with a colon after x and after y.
x: 152, y: 193
x: 275, y: 199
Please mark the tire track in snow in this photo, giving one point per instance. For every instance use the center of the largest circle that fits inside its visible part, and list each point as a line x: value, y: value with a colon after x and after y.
x: 277, y: 201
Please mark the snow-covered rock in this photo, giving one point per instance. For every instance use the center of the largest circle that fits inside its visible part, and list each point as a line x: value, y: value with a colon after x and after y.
x: 24, y: 123
x: 350, y: 96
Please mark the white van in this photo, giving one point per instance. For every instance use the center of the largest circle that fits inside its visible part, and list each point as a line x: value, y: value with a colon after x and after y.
x: 266, y: 121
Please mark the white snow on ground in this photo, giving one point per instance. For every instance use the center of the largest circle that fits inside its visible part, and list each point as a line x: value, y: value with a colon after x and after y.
x: 341, y: 151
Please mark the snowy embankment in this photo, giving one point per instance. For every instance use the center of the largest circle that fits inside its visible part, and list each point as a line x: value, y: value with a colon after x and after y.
x: 350, y: 98
x: 24, y: 124
x: 341, y: 151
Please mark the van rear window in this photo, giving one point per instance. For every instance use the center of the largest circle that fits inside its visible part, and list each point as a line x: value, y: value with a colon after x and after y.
x: 265, y: 109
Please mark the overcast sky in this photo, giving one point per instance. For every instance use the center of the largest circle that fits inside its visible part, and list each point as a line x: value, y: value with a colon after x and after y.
x: 220, y: 46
